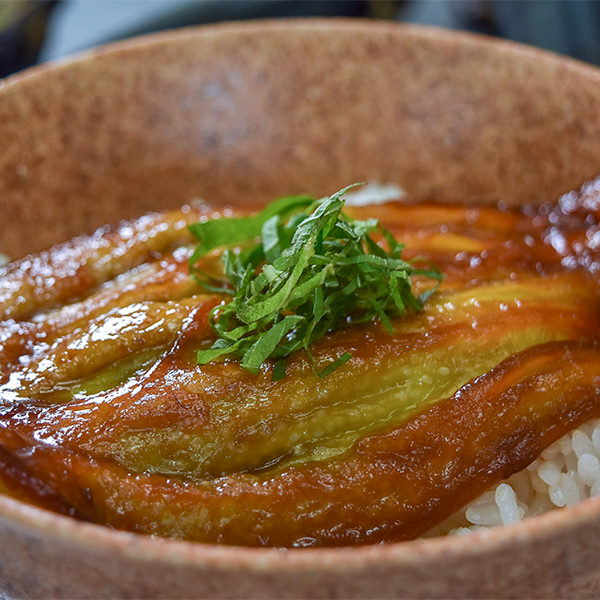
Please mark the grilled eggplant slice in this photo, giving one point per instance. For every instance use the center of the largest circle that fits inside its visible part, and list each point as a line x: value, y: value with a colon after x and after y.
x: 105, y: 414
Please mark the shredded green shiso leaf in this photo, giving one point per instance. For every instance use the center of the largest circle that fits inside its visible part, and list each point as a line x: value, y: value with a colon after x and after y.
x: 301, y: 269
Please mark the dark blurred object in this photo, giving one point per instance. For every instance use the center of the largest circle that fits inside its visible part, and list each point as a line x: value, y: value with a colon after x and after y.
x: 22, y: 29
x: 206, y: 11
x: 565, y: 26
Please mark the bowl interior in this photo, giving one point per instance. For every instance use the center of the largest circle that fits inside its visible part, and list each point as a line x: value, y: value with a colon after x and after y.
x: 245, y: 113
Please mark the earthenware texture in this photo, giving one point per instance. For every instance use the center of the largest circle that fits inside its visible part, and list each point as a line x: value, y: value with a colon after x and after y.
x: 239, y: 113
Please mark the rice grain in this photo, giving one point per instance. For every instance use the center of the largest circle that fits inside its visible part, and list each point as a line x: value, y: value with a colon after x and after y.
x: 565, y: 473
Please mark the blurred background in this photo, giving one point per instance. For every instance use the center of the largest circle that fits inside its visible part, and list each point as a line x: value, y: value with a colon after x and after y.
x: 33, y: 31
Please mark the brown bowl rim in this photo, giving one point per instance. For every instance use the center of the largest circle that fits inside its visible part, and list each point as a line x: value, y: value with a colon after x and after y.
x: 259, y: 25
x: 552, y: 524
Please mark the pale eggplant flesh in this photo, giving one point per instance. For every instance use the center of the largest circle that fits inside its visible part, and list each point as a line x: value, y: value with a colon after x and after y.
x: 105, y: 415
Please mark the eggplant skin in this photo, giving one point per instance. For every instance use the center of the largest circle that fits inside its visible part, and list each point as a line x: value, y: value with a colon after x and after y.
x: 105, y: 416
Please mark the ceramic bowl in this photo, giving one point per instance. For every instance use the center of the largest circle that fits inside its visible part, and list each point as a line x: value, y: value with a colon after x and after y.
x: 240, y: 113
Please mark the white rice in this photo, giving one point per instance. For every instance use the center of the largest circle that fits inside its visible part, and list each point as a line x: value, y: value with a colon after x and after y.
x: 3, y: 259
x: 374, y: 193
x: 565, y: 473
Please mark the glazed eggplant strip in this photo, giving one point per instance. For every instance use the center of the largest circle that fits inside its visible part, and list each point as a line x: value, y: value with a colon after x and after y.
x: 206, y: 421
x: 392, y: 485
x: 104, y: 413
x: 107, y: 339
x: 68, y: 271
x: 163, y: 280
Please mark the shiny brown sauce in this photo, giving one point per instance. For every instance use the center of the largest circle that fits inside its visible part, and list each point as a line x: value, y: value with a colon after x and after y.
x: 105, y: 416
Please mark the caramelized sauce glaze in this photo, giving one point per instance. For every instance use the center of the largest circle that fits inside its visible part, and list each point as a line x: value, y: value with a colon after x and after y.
x: 105, y: 416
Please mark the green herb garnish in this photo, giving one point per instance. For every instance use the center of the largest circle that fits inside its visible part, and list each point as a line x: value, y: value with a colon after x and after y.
x: 304, y: 269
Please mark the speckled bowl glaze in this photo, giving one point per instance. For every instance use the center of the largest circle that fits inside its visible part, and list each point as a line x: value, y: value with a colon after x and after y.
x: 239, y: 113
